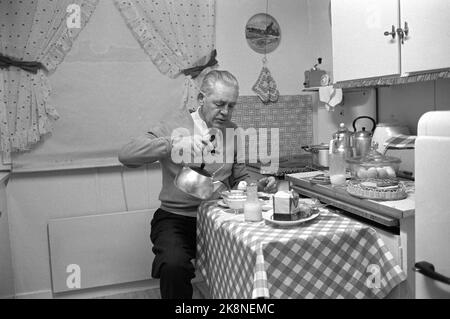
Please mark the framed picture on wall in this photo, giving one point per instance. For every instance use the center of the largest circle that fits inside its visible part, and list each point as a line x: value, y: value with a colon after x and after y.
x: 263, y: 33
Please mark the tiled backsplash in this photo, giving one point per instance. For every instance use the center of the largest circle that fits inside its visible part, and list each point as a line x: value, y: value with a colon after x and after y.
x: 291, y: 114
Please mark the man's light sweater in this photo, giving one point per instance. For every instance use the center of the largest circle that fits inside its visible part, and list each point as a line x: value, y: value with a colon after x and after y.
x: 156, y: 145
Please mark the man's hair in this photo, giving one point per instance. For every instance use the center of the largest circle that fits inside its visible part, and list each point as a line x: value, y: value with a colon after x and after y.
x: 214, y: 76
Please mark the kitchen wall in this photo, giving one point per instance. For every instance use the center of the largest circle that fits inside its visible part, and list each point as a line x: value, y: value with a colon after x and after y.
x: 407, y: 103
x: 305, y: 36
x: 34, y: 198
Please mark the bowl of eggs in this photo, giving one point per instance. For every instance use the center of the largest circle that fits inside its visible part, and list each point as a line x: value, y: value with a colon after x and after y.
x: 374, y: 165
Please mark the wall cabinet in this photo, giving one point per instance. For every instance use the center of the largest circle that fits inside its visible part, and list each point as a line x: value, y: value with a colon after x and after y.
x: 375, y: 38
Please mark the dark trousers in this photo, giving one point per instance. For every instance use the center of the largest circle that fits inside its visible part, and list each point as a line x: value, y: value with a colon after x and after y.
x: 174, y: 239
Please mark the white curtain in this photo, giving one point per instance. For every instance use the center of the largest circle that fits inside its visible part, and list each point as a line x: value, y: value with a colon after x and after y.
x: 176, y: 34
x: 35, y: 31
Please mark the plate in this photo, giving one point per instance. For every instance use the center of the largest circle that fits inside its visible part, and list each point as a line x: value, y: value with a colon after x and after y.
x: 265, y: 206
x: 261, y: 195
x: 268, y: 217
x: 264, y: 195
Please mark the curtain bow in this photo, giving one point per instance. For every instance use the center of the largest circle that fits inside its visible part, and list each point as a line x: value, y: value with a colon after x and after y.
x: 196, y: 70
x: 32, y: 67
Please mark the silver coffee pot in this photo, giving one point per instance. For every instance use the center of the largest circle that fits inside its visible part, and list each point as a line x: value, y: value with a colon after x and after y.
x: 343, y: 140
x: 197, y: 182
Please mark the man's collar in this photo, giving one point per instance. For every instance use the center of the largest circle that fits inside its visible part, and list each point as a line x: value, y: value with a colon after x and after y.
x: 199, y: 122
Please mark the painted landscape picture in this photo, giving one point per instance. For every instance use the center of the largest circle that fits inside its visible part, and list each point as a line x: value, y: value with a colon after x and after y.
x: 263, y: 33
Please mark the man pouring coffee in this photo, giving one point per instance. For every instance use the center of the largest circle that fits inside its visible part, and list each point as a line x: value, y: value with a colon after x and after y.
x: 173, y: 228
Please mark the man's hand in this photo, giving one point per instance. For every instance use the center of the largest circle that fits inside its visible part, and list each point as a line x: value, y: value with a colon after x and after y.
x: 268, y: 184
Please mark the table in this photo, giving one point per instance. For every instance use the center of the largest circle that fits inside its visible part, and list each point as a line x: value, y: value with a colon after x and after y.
x: 329, y: 257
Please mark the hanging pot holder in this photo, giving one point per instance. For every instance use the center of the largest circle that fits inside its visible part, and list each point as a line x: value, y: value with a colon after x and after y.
x: 266, y: 87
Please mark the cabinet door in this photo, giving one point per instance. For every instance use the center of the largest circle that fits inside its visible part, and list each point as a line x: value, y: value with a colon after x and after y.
x: 427, y: 46
x: 360, y: 48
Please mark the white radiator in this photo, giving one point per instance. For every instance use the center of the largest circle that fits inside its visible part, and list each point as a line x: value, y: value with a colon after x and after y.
x: 100, y: 250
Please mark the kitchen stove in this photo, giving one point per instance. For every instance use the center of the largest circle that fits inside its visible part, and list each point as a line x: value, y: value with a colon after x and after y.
x: 287, y: 165
x: 385, y: 213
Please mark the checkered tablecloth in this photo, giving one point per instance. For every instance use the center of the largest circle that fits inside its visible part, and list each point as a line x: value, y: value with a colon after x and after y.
x: 328, y: 257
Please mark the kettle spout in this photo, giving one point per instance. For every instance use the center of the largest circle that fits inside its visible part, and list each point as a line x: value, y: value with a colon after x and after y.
x: 219, y: 186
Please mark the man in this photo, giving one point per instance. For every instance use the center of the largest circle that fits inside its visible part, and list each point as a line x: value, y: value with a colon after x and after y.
x: 173, y: 228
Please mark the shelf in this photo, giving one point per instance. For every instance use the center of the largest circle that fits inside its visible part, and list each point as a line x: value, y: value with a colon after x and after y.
x: 311, y: 89
x: 345, y: 90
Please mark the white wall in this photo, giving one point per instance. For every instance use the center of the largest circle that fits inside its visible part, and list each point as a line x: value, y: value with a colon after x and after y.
x: 305, y: 36
x: 407, y: 103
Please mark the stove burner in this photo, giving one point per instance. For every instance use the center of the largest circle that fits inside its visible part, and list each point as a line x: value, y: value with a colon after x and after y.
x: 282, y: 171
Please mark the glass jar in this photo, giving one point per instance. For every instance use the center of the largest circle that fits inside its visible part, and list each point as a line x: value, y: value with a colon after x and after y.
x: 252, y: 206
x: 337, y: 164
x: 374, y: 165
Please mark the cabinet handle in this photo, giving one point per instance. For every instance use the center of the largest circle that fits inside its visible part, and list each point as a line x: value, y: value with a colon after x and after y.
x: 427, y: 269
x: 392, y: 33
x: 403, y: 33
x: 406, y: 29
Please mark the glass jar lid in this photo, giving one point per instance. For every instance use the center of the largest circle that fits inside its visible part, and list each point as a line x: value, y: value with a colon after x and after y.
x: 322, y: 146
x: 374, y: 157
x: 342, y: 132
x: 363, y: 134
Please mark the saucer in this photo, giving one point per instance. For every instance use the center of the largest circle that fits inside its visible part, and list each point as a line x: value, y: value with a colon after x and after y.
x: 265, y: 206
x: 268, y: 217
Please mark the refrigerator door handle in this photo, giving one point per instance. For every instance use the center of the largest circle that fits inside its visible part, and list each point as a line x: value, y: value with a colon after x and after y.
x: 427, y: 269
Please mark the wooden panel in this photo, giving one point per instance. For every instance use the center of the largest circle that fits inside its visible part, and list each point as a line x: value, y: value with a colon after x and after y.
x: 154, y: 182
x: 428, y: 44
x: 6, y: 271
x: 109, y: 249
x: 34, y: 198
x: 360, y: 49
x: 135, y: 188
x: 142, y: 187
x: 109, y: 190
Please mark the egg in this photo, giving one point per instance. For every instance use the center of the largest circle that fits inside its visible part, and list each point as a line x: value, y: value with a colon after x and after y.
x: 338, y: 179
x: 372, y: 172
x: 242, y: 186
x: 382, y: 172
x: 361, y: 173
x: 390, y: 171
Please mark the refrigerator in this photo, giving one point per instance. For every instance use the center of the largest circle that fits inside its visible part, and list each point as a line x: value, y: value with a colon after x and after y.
x: 432, y: 214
